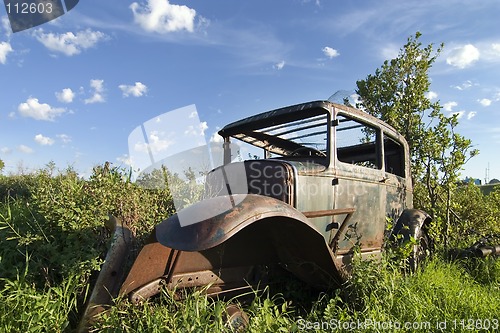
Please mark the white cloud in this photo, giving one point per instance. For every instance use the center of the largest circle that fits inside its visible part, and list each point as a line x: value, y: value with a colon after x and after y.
x: 156, y: 144
x: 200, y: 131
x: 4, y: 20
x: 316, y: 2
x: 5, y: 150
x: 484, y: 102
x: 463, y: 56
x: 449, y: 106
x: 97, y: 94
x: 203, y: 127
x: 125, y: 159
x: 5, y: 49
x: 137, y: 90
x: 25, y: 149
x: 330, y: 52
x: 471, y: 115
x: 216, y: 138
x: 64, y: 138
x: 390, y: 51
x: 43, y: 140
x: 69, y: 43
x: 490, y: 52
x: 97, y: 85
x: 40, y: 111
x: 466, y: 85
x: 459, y: 114
x: 280, y: 65
x: 495, y: 47
x: 162, y: 17
x: 431, y: 95
x: 65, y: 96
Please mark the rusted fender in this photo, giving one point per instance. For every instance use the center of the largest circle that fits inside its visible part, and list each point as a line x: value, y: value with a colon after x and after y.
x: 409, y: 223
x: 213, y: 231
x: 301, y: 248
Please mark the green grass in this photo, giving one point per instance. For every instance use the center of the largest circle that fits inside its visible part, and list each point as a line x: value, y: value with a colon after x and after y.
x: 52, y: 241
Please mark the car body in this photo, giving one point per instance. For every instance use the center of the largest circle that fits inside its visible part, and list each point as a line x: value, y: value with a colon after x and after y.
x: 328, y: 179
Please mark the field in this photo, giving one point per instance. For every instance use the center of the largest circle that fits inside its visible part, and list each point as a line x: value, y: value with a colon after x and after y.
x: 53, y: 241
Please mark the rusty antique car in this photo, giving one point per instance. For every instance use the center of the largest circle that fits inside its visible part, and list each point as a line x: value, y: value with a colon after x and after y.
x: 328, y: 180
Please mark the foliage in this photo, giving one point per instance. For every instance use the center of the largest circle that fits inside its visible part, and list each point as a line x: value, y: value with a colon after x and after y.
x: 53, y: 224
x: 184, y: 190
x: 396, y: 93
x: 52, y: 239
x: 441, y: 292
x: 473, y: 213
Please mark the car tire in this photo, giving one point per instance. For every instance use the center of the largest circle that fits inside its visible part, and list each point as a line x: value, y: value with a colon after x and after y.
x: 422, y: 250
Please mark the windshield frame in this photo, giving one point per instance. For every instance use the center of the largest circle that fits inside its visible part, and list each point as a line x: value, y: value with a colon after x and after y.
x: 281, y: 132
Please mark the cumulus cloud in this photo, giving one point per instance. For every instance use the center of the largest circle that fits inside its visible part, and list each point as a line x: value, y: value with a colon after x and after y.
x: 280, y: 65
x: 97, y: 92
x: 40, y: 111
x: 65, y: 96
x: 463, y: 56
x: 496, y: 47
x: 156, y: 144
x: 390, y: 51
x: 471, y: 115
x: 5, y: 49
x: 125, y: 159
x: 449, y: 106
x: 458, y: 114
x: 43, y: 140
x: 4, y: 20
x: 484, y: 102
x: 5, y: 150
x: 137, y: 90
x: 64, y: 138
x: 216, y: 138
x: 69, y: 43
x: 25, y: 149
x: 163, y: 17
x: 464, y: 86
x: 197, y: 131
x: 330, y: 52
x: 431, y: 95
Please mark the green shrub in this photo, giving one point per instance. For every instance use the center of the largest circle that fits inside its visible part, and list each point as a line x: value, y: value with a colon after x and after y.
x: 52, y: 239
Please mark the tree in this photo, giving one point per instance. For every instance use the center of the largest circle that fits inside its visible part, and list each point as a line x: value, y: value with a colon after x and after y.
x: 2, y: 165
x: 396, y: 93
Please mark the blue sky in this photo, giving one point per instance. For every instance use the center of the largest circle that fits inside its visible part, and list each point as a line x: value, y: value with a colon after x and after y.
x: 74, y: 89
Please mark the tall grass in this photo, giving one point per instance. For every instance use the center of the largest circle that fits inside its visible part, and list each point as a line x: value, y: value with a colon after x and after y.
x: 52, y: 241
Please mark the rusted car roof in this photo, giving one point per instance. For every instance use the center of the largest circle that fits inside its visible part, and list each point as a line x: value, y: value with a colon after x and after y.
x: 298, y: 111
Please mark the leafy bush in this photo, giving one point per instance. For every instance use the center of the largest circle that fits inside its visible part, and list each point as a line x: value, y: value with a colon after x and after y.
x: 52, y: 240
x: 474, y: 211
x: 52, y: 233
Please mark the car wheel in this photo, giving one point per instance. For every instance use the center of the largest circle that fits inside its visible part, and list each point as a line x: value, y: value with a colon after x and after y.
x: 422, y: 250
